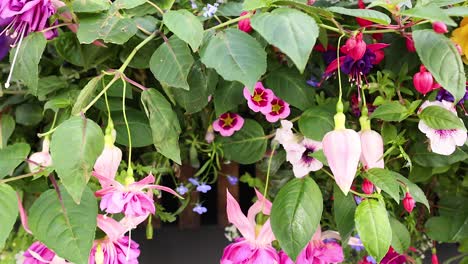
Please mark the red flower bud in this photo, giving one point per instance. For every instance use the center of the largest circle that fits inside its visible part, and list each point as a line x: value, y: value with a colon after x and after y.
x: 355, y: 47
x: 244, y: 24
x: 408, y: 202
x: 410, y: 44
x: 367, y: 187
x: 439, y: 27
x: 435, y: 260
x: 423, y: 81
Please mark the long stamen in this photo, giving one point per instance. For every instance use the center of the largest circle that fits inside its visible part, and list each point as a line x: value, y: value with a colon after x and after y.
x: 7, y: 84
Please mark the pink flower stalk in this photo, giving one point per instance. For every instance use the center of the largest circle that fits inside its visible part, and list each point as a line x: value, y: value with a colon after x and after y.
x: 130, y: 199
x: 442, y: 141
x: 107, y: 163
x: 228, y: 123
x: 279, y: 110
x: 372, y: 149
x: 260, y: 99
x: 42, y: 159
x: 38, y: 253
x: 408, y: 202
x: 410, y: 44
x: 115, y: 248
x: 367, y: 186
x: 355, y: 47
x: 423, y: 81
x: 244, y: 24
x: 254, y: 248
x: 439, y: 27
x: 302, y: 161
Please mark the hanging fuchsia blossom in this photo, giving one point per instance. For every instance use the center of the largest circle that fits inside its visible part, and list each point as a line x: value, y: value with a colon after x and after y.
x: 410, y: 43
x: 228, y: 123
x: 442, y: 141
x: 424, y: 82
x: 408, y: 202
x: 38, y: 253
x: 372, y: 149
x: 355, y: 47
x: 253, y: 248
x: 367, y: 186
x: 108, y: 162
x: 260, y: 99
x: 42, y: 159
x: 279, y: 110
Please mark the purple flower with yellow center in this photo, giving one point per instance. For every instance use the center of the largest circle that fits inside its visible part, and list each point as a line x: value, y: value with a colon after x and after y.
x: 279, y: 110
x: 233, y: 180
x: 260, y: 99
x: 228, y: 123
x: 199, y: 209
x: 203, y: 187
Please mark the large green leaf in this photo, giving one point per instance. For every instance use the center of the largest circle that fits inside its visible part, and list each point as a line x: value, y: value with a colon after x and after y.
x: 141, y: 60
x: 452, y: 224
x: 164, y: 124
x: 440, y: 118
x: 227, y: 96
x: 12, y: 156
x: 171, y: 63
x: 290, y: 30
x: 90, y: 6
x: 390, y: 111
x: 429, y: 12
x: 247, y: 145
x: 63, y: 226
x: 414, y: 190
x: 423, y: 157
x: 401, y: 238
x: 290, y: 86
x: 385, y: 180
x: 7, y: 126
x: 344, y: 208
x: 236, y: 56
x: 140, y: 129
x: 441, y: 58
x: 461, y: 11
x: 186, y: 26
x: 26, y: 65
x: 8, y: 211
x: 295, y: 214
x: 127, y: 4
x: 316, y: 122
x: 373, y: 227
x: 75, y: 146
x: 367, y: 14
x: 86, y: 95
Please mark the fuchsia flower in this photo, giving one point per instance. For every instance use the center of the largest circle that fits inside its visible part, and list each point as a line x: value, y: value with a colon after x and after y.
x: 228, y: 123
x: 40, y: 159
x: 410, y: 43
x: 423, y: 81
x: 253, y: 248
x: 439, y: 27
x: 442, y: 141
x: 355, y: 47
x: 260, y: 99
x: 367, y: 186
x: 372, y: 149
x: 115, y: 248
x: 279, y: 110
x: 107, y: 163
x: 393, y: 257
x: 362, y: 22
x: 38, y: 253
x: 408, y: 202
x: 244, y: 24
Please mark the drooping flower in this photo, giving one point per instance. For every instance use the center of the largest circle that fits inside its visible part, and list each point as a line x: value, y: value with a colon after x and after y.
x: 355, y: 47
x: 209, y: 136
x: 181, y: 189
x: 434, y: 259
x: 372, y: 149
x: 244, y: 24
x: 393, y: 257
x: 279, y: 110
x: 132, y: 199
x: 260, y: 99
x: 460, y: 37
x: 439, y: 27
x: 108, y: 162
x: 408, y: 202
x: 228, y: 123
x: 203, y: 187
x: 199, y: 209
x: 254, y: 247
x: 38, y: 253
x: 42, y: 159
x: 302, y: 161
x: 367, y: 186
x: 442, y: 141
x: 423, y: 81
x: 328, y: 53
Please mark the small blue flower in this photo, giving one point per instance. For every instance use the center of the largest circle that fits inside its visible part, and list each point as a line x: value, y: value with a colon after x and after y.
x: 193, y: 181
x: 313, y: 82
x: 199, y: 209
x: 357, y: 199
x: 371, y: 259
x: 182, y: 189
x: 194, y: 5
x: 210, y: 10
x: 233, y: 180
x: 357, y: 247
x: 203, y: 187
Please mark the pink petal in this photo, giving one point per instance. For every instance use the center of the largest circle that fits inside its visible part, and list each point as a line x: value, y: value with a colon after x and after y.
x: 23, y: 215
x: 372, y: 149
x: 238, y: 219
x: 107, y: 164
x: 113, y: 229
x: 266, y: 236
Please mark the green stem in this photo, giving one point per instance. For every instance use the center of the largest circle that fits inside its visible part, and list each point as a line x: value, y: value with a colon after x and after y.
x: 340, y: 96
x: 104, y: 90
x: 128, y: 127
x: 155, y: 6
x: 135, y: 50
x: 20, y: 177
x: 267, y: 181
x: 229, y: 22
x: 380, y: 31
x: 334, y: 29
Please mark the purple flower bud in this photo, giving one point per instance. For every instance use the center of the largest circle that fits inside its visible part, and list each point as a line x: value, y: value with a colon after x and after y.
x: 203, y: 187
x: 199, y: 209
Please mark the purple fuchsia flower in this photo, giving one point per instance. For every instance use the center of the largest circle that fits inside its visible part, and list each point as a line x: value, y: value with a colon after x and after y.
x: 233, y: 180
x: 228, y: 123
x: 181, y: 189
x: 4, y: 45
x: 302, y: 161
x: 199, y: 209
x: 442, y: 141
x: 279, y: 110
x: 443, y: 94
x: 203, y: 187
x: 260, y: 99
x: 38, y: 253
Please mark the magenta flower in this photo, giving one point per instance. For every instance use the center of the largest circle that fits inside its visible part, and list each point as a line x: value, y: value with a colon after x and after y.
x: 38, y: 253
x: 423, y: 81
x: 393, y: 257
x: 260, y: 100
x: 439, y: 27
x: 442, y: 141
x: 408, y: 202
x: 244, y: 24
x: 4, y: 46
x: 367, y: 186
x: 254, y: 247
x: 279, y: 110
x: 372, y: 149
x: 302, y: 161
x: 355, y: 47
x: 228, y: 123
x: 42, y: 159
x: 107, y: 164
x: 132, y: 199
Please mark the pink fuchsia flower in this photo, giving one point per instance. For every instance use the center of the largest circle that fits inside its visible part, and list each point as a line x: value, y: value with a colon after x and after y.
x: 367, y: 186
x: 132, y: 199
x: 439, y: 27
x: 244, y: 24
x: 254, y: 248
x: 355, y: 47
x: 302, y: 161
x: 260, y: 99
x: 42, y: 159
x: 423, y: 81
x: 410, y: 43
x: 393, y: 257
x: 38, y: 253
x: 279, y: 110
x: 228, y: 123
x: 372, y: 149
x: 107, y: 163
x: 115, y: 248
x: 434, y: 258
x: 408, y: 202
x: 442, y: 141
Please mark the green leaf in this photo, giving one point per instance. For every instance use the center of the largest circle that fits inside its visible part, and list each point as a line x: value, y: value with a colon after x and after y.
x: 310, y: 10
x: 295, y: 214
x: 164, y: 124
x: 29, y: 114
x: 401, y: 238
x: 247, y: 145
x: 385, y: 180
x: 298, y: 33
x: 438, y: 117
x: 452, y: 224
x: 7, y: 126
x: 90, y: 6
x: 461, y: 11
x: 227, y: 96
x: 344, y: 208
x: 423, y: 157
x: 236, y: 56
x: 8, y: 211
x: 414, y: 190
x: 373, y: 228
x: 27, y: 61
x: 171, y: 63
x: 75, y: 146
x: 57, y: 103
x: 68, y: 230
x: 50, y: 84
x: 86, y: 95
x: 141, y: 60
x: 430, y: 12
x: 164, y: 4
x: 441, y: 2
x: 140, y: 129
x: 127, y: 4
x: 390, y: 111
x: 441, y: 58
x: 254, y: 4
x: 186, y: 26
x: 290, y: 86
x: 316, y: 122
x: 367, y: 14
x: 12, y: 156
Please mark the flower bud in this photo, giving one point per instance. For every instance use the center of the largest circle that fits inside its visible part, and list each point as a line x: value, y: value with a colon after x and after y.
x: 439, y: 27
x: 355, y: 47
x: 410, y: 44
x: 435, y: 260
x: 372, y: 149
x: 40, y: 159
x: 209, y: 136
x: 367, y: 186
x: 423, y: 81
x: 244, y: 24
x: 408, y: 202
